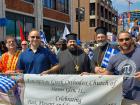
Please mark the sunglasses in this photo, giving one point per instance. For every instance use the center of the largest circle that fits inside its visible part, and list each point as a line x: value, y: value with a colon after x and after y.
x: 126, y: 39
x: 37, y: 37
x: 24, y: 44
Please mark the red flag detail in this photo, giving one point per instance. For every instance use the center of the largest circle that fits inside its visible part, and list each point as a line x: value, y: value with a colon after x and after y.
x: 21, y: 31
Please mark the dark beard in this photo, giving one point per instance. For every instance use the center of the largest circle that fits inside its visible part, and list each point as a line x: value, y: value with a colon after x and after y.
x: 72, y: 49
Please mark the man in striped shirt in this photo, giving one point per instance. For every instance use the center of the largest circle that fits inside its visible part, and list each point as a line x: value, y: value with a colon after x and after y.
x: 9, y: 59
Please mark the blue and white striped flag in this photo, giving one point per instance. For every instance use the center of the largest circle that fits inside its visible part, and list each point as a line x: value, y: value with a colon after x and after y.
x: 43, y: 37
x: 6, y: 84
x: 108, y: 54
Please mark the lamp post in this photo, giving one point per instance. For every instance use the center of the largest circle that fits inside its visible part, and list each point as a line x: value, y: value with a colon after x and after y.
x: 79, y: 19
x: 80, y: 16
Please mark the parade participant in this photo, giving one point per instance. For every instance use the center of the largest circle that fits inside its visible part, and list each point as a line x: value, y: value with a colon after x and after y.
x: 88, y: 51
x: 3, y: 48
x: 9, y: 59
x: 24, y: 45
x: 127, y: 63
x: 52, y: 47
x: 37, y: 59
x: 138, y: 39
x: 58, y: 45
x: 103, y: 51
x: 73, y: 60
x: 64, y: 44
x: 61, y: 45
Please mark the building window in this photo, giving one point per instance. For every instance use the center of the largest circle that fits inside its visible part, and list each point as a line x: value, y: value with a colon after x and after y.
x: 30, y: 1
x: 46, y: 3
x: 92, y: 22
x: 63, y: 6
x: 115, y: 19
x: 66, y: 6
x: 106, y: 14
x: 106, y: 25
x: 102, y: 23
x: 12, y: 27
x: 60, y: 5
x: 102, y: 11
x: 53, y: 4
x: 110, y: 16
x: 49, y: 4
x: 92, y: 8
x: 53, y: 30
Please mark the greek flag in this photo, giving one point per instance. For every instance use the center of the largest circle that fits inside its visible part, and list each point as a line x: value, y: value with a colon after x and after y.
x: 42, y: 36
x: 108, y: 54
x: 66, y: 31
x: 6, y: 84
x: 91, y: 54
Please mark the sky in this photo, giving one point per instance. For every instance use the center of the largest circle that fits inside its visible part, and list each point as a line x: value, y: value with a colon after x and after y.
x: 122, y: 5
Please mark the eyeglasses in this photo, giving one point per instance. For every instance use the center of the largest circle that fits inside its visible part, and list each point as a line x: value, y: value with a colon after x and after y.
x: 37, y: 37
x: 24, y: 44
x: 126, y: 39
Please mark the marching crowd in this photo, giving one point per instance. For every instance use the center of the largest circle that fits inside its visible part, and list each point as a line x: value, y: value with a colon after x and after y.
x: 73, y: 57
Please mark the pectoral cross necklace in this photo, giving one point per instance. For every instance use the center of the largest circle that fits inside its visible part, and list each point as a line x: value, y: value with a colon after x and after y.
x: 76, y: 67
x: 75, y: 60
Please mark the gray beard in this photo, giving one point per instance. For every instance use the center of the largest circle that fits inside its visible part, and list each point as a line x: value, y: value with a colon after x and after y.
x: 101, y: 43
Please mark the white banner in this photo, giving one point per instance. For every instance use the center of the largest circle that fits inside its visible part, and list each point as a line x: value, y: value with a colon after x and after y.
x: 72, y: 90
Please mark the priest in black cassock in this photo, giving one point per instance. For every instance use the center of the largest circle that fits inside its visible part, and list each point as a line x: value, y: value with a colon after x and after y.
x: 73, y: 60
x: 101, y: 50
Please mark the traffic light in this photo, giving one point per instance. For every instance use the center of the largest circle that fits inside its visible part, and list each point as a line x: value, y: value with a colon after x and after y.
x: 80, y: 14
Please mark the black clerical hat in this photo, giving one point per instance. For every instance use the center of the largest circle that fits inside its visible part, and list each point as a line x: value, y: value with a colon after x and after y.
x: 71, y: 36
x: 62, y: 41
x: 101, y: 30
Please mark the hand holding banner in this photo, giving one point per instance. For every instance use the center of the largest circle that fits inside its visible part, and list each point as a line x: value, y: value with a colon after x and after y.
x: 73, y: 90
